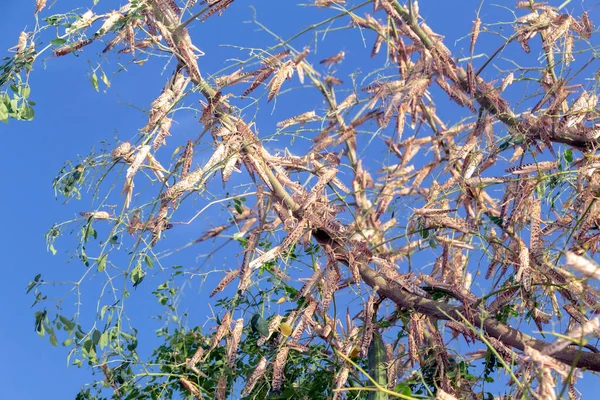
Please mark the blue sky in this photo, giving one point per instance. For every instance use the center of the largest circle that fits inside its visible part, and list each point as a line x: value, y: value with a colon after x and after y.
x: 71, y: 118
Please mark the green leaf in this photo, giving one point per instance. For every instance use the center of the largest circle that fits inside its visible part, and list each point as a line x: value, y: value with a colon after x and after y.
x: 404, y: 389
x: 137, y: 275
x: 569, y: 155
x: 496, y: 220
x: 94, y: 80
x: 39, y: 322
x: 38, y: 297
x: 238, y: 204
x: 102, y: 262
x: 34, y: 283
x: 133, y: 345
x: 3, y: 112
x: 433, y: 242
x: 53, y: 20
x: 89, y: 348
x: 105, y: 79
x: 87, y: 230
x: 25, y: 91
x: 103, y: 311
x: 504, y: 145
x: 259, y: 325
x: 69, y: 324
x: 148, y: 261
x: 26, y: 112
x: 103, y: 340
x: 96, y: 336
x: 14, y: 107
x: 238, y: 208
x: 84, y: 258
x: 53, y: 340
x: 58, y: 41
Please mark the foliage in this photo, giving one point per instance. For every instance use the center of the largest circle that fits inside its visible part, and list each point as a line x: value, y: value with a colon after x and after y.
x: 415, y: 203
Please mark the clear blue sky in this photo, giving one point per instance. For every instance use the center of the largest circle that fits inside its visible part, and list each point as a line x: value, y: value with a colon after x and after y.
x: 71, y: 118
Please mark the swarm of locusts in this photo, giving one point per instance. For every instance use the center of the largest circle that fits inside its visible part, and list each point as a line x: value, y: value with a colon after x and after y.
x: 445, y: 190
